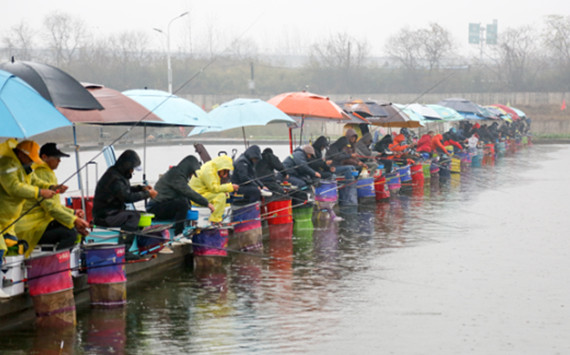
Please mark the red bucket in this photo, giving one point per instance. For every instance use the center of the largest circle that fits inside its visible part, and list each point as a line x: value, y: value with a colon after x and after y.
x: 279, y: 212
x: 49, y: 273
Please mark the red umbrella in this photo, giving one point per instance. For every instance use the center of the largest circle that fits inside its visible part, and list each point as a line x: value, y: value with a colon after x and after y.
x: 308, y: 106
x: 508, y: 110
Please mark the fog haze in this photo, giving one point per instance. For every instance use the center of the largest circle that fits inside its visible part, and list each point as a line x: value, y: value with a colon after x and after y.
x: 279, y: 26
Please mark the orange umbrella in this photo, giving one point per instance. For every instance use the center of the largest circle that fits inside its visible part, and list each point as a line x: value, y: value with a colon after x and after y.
x: 308, y: 106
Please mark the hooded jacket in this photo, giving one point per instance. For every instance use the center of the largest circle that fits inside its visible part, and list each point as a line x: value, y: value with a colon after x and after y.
x: 16, y: 185
x: 298, y: 164
x: 424, y: 144
x: 318, y: 163
x: 397, y: 145
x: 32, y: 226
x: 265, y: 168
x: 113, y: 190
x: 244, y: 171
x: 363, y: 145
x: 207, y: 179
x: 340, y: 153
x: 174, y: 184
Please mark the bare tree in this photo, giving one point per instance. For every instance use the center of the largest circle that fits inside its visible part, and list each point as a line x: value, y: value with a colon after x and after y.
x: 20, y: 41
x: 519, y: 57
x: 129, y: 47
x: 243, y: 49
x: 65, y: 36
x: 436, y: 44
x: 340, y: 52
x: 405, y: 47
x: 556, y: 38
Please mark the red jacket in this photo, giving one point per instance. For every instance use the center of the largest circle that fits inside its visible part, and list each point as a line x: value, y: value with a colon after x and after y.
x: 424, y: 144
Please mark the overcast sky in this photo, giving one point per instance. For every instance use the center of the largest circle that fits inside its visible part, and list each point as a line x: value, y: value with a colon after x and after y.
x: 277, y: 24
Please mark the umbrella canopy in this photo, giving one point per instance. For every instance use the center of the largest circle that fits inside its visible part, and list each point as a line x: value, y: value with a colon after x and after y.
x: 53, y: 84
x: 509, y: 110
x: 468, y: 109
x: 119, y: 109
x: 170, y: 108
x: 23, y: 112
x: 499, y: 112
x: 308, y: 106
x: 396, y: 118
x: 519, y: 112
x: 446, y: 113
x: 411, y: 113
x: 364, y: 108
x: 241, y: 113
x: 427, y: 112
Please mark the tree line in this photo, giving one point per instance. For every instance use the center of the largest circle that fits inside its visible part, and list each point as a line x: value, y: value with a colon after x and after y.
x: 416, y: 61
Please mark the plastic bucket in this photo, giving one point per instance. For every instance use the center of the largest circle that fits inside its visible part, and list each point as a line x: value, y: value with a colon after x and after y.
x: 426, y: 170
x: 455, y: 165
x: 49, y: 273
x: 405, y: 175
x: 105, y: 264
x: 192, y: 215
x: 393, y: 181
x: 417, y: 174
x: 14, y: 272
x: 212, y: 242
x: 434, y: 168
x: 203, y: 219
x: 380, y: 188
x: 347, y: 192
x: 246, y: 217
x: 279, y: 212
x: 365, y: 188
x: 146, y: 219
x: 326, y: 191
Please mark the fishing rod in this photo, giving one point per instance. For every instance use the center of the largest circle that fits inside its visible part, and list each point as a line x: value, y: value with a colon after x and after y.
x: 150, y: 112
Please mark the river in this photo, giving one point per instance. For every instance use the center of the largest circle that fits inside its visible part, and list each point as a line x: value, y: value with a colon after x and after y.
x: 478, y: 265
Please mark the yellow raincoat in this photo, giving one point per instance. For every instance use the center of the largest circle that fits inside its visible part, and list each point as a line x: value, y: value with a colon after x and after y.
x: 32, y: 226
x: 207, y: 183
x: 15, y: 187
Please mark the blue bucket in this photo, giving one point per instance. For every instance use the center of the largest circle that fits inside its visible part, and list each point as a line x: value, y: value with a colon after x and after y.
x: 404, y: 172
x: 192, y: 215
x: 476, y: 161
x: 365, y: 187
x: 326, y: 191
x: 393, y: 181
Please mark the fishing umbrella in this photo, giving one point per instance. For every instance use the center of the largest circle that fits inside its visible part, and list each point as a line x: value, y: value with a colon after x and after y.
x: 428, y: 113
x: 396, y: 118
x: 170, y: 108
x: 119, y: 109
x: 24, y: 112
x: 446, y: 113
x: 53, y: 84
x: 499, y: 112
x: 514, y: 115
x: 413, y: 115
x: 241, y: 113
x: 305, y: 105
x: 468, y: 109
x: 363, y: 108
x: 519, y: 112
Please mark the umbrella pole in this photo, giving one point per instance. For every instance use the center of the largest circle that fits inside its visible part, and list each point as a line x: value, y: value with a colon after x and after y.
x: 243, y: 132
x: 78, y: 165
x: 290, y: 140
x: 301, y: 134
x: 144, y: 156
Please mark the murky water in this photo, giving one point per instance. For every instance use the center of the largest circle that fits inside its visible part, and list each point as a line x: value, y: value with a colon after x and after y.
x: 477, y: 265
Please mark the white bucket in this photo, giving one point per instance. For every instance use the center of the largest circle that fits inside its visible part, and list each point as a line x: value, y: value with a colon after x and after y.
x: 74, y: 260
x: 13, y: 270
x: 203, y: 216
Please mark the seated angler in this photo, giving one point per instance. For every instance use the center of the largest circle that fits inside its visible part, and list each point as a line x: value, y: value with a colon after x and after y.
x: 343, y: 159
x: 318, y: 164
x: 271, y: 172
x: 244, y: 176
x: 17, y: 183
x: 366, y: 155
x: 48, y: 221
x: 114, y: 191
x: 211, y: 181
x: 424, y: 144
x: 298, y: 168
x: 174, y: 194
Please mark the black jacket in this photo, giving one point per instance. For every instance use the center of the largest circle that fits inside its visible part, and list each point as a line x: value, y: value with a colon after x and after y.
x: 174, y: 183
x: 113, y: 190
x: 265, y: 168
x: 244, y: 172
x: 297, y: 164
x: 318, y: 163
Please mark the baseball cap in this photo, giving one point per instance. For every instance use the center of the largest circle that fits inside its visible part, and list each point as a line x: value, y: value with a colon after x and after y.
x: 31, y: 149
x: 50, y: 149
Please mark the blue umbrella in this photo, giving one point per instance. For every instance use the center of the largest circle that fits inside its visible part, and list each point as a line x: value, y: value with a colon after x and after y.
x: 447, y: 113
x: 170, y: 108
x: 24, y: 112
x: 244, y: 112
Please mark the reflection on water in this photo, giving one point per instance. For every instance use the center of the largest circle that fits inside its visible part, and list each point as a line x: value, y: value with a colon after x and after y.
x: 334, y: 286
